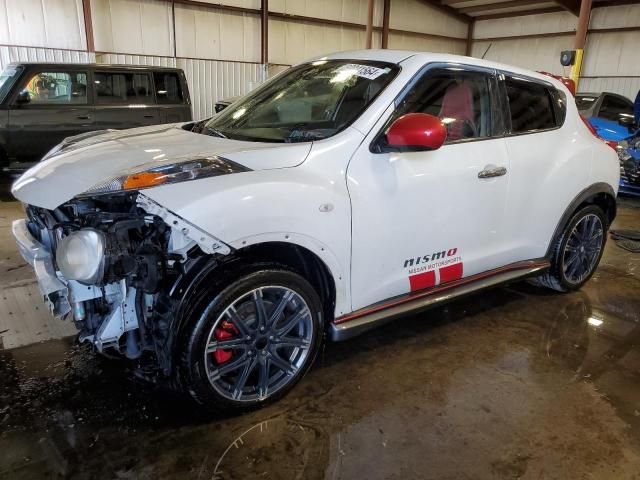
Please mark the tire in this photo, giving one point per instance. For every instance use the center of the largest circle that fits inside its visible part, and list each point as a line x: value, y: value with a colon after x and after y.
x: 256, y: 367
x: 568, y: 272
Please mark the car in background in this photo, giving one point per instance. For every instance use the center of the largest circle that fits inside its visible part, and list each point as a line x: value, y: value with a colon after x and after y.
x: 614, y: 117
x: 224, y: 103
x: 41, y: 104
x: 629, y: 155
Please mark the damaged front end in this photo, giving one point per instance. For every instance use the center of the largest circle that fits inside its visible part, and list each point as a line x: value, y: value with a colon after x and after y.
x: 107, y: 262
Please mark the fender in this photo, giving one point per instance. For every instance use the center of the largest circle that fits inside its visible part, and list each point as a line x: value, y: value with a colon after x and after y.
x: 199, y: 269
x: 322, y: 251
x: 584, y: 195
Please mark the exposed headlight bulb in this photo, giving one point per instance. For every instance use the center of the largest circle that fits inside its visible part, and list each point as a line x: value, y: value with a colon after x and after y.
x: 80, y: 256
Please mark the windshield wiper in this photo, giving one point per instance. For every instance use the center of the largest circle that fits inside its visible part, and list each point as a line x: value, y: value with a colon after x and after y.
x: 214, y: 132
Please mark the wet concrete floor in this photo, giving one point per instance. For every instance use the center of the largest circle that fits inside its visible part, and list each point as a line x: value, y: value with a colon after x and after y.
x: 515, y: 382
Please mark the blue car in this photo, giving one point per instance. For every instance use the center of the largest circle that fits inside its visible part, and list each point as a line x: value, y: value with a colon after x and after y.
x: 629, y: 154
x: 617, y: 119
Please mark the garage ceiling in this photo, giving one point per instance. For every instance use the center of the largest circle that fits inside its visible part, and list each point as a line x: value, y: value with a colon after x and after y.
x: 489, y: 9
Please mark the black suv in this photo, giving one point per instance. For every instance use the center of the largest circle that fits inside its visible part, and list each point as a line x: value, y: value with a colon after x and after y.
x: 43, y: 103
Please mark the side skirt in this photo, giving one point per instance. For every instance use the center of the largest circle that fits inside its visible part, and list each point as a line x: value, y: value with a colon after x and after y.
x: 360, y: 321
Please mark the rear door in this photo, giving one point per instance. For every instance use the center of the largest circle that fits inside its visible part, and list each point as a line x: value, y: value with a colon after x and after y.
x: 55, y: 104
x: 548, y: 164
x: 124, y: 99
x: 172, y: 97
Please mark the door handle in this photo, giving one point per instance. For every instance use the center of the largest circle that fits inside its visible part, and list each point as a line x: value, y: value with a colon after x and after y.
x: 83, y: 117
x: 490, y: 171
x: 149, y: 116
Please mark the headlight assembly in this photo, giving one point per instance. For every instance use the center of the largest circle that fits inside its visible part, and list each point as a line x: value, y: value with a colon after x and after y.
x: 622, y: 151
x: 80, y: 256
x: 152, y: 175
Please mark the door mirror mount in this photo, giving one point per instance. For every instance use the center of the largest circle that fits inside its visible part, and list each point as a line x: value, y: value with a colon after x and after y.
x: 415, y: 132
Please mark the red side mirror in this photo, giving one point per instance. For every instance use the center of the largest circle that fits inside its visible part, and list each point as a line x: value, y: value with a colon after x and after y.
x: 417, y: 131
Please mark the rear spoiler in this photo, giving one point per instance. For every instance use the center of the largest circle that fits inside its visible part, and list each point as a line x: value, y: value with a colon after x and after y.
x: 566, y: 81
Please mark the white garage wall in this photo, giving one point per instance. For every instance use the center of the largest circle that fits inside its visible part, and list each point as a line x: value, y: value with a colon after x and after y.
x: 57, y: 24
x: 612, y: 61
x: 542, y: 54
x: 132, y: 26
x: 533, y: 53
x: 611, y: 58
x: 39, y: 31
x: 403, y: 41
x: 220, y: 35
x: 34, y: 54
x: 292, y: 42
x: 416, y: 16
x: 353, y: 11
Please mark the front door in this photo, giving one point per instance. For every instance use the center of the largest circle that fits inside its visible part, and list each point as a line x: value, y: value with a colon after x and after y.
x: 426, y: 218
x: 51, y: 106
x: 124, y: 99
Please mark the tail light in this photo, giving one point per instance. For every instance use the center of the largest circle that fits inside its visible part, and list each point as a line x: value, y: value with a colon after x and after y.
x: 611, y: 143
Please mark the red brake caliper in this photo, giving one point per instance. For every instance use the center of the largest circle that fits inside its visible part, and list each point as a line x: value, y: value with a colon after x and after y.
x: 225, y: 331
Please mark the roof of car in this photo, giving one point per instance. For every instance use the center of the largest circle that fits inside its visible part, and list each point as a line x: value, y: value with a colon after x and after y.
x: 398, y: 56
x: 94, y: 65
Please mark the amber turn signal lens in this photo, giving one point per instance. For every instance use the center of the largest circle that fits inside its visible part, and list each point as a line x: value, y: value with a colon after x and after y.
x: 144, y: 180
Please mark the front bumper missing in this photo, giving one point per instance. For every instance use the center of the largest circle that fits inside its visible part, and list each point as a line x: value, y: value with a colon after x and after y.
x: 54, y: 291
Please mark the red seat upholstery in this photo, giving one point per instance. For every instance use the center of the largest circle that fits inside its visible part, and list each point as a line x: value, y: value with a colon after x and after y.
x: 458, y: 105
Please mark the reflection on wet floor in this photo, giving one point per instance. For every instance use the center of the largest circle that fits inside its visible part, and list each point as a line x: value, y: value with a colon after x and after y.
x: 514, y: 382
x: 506, y: 382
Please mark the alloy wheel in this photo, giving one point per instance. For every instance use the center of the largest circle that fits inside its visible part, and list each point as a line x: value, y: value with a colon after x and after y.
x: 582, y: 250
x: 258, y: 344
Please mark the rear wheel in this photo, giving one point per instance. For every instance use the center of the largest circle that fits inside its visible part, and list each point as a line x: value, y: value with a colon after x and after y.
x: 252, y: 342
x: 577, y: 251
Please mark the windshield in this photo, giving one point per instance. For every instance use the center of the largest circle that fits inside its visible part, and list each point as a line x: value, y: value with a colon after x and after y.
x: 309, y: 102
x: 7, y: 79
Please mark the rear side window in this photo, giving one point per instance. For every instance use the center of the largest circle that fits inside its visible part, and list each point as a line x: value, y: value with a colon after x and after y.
x: 168, y: 89
x: 530, y: 106
x: 117, y: 88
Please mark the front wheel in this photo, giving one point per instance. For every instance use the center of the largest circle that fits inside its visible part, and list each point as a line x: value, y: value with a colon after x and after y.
x: 577, y: 252
x: 253, y: 341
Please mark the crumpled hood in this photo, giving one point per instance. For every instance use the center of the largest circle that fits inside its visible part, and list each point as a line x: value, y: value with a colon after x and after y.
x: 85, y: 161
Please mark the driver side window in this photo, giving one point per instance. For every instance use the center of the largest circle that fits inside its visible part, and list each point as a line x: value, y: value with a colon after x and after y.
x: 57, y: 88
x: 460, y: 99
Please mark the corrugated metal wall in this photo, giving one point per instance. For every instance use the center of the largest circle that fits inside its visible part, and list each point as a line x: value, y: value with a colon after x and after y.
x: 220, y: 35
x: 55, y: 24
x: 143, y: 27
x: 39, y: 31
x: 36, y: 54
x: 532, y: 53
x: 611, y: 58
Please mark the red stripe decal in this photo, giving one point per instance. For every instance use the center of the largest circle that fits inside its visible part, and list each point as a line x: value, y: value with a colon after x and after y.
x: 422, y: 280
x: 451, y: 273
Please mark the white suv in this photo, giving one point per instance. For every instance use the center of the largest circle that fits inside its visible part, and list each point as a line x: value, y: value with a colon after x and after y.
x: 342, y: 193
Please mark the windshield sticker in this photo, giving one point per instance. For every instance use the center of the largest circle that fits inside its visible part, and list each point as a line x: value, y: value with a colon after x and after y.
x: 364, y: 71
